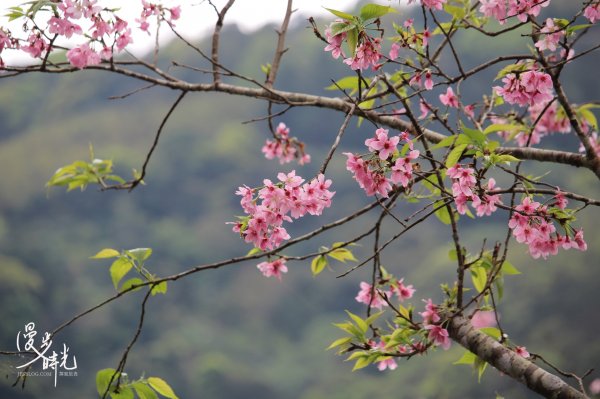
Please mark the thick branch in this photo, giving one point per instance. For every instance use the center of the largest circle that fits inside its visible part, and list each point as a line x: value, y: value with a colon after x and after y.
x: 334, y: 103
x: 510, y: 363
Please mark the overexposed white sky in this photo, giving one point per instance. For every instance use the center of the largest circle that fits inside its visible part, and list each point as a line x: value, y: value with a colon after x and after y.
x: 198, y: 17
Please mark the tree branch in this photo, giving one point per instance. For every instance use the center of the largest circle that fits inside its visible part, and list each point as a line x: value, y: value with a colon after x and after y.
x: 508, y: 362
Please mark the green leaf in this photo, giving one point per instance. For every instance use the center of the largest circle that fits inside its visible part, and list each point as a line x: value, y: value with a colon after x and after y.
x: 575, y: 28
x: 140, y: 254
x: 124, y: 393
x: 103, y: 378
x: 144, y: 391
x: 506, y: 158
x: 457, y: 13
x: 371, y: 319
x: 502, y: 127
x: 119, y: 269
x: 510, y: 69
x: 341, y: 27
x: 373, y: 11
x: 467, y: 358
x: 340, y: 14
x: 588, y: 116
x: 508, y: 268
x: 339, y: 342
x: 448, y: 141
x: 444, y: 25
x: 342, y: 254
x: 106, y: 253
x: 160, y: 288
x: 491, y: 331
x: 476, y: 136
x: 442, y: 213
x: 130, y: 283
x: 361, y: 362
x: 481, y: 366
x: 360, y: 323
x: 254, y: 251
x: 345, y: 83
x: 318, y: 264
x: 455, y: 155
x: 479, y: 277
x: 161, y: 386
x: 352, y: 40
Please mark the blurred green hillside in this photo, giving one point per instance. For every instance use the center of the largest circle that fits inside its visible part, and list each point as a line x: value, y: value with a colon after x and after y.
x: 232, y: 333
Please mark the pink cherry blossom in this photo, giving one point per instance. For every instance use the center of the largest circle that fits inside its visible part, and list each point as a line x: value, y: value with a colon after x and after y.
x: 439, y: 336
x: 483, y: 318
x: 367, y: 55
x: 428, y: 80
x: 522, y: 351
x: 124, y: 39
x: 36, y: 46
x: 5, y: 40
x: 402, y: 291
x: 494, y: 8
x: 551, y: 35
x: 528, y: 88
x: 269, y: 207
x: 433, y: 4
x: 63, y: 27
x: 386, y: 363
x: 430, y: 315
x: 449, y: 99
x: 275, y: 268
x: 381, y: 143
x: 394, y: 51
x: 595, y: 387
x: 335, y: 42
x: 487, y: 203
x: 285, y: 148
x: 592, y: 12
x: 83, y: 56
x: 370, y: 298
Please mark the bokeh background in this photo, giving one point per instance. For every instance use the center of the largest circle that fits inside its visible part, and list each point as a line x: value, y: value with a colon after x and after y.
x: 231, y: 333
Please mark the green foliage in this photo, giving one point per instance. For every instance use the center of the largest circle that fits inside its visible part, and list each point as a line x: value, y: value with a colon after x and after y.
x: 339, y: 251
x: 126, y: 261
x: 80, y: 173
x: 145, y: 388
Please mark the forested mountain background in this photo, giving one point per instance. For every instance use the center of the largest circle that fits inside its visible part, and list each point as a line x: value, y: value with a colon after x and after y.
x: 231, y: 333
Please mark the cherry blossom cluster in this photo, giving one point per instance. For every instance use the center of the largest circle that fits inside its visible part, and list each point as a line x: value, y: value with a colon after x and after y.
x: 464, y: 190
x: 592, y: 12
x: 370, y: 171
x: 551, y: 35
x: 275, y: 268
x: 373, y: 297
x: 431, y: 4
x: 422, y: 79
x: 366, y: 54
x: 436, y: 333
x: 551, y: 121
x: 526, y: 88
x: 104, y: 33
x: 284, y: 147
x: 151, y: 10
x: 533, y: 225
x: 409, y: 37
x: 268, y: 207
x: 503, y: 9
x: 334, y: 42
